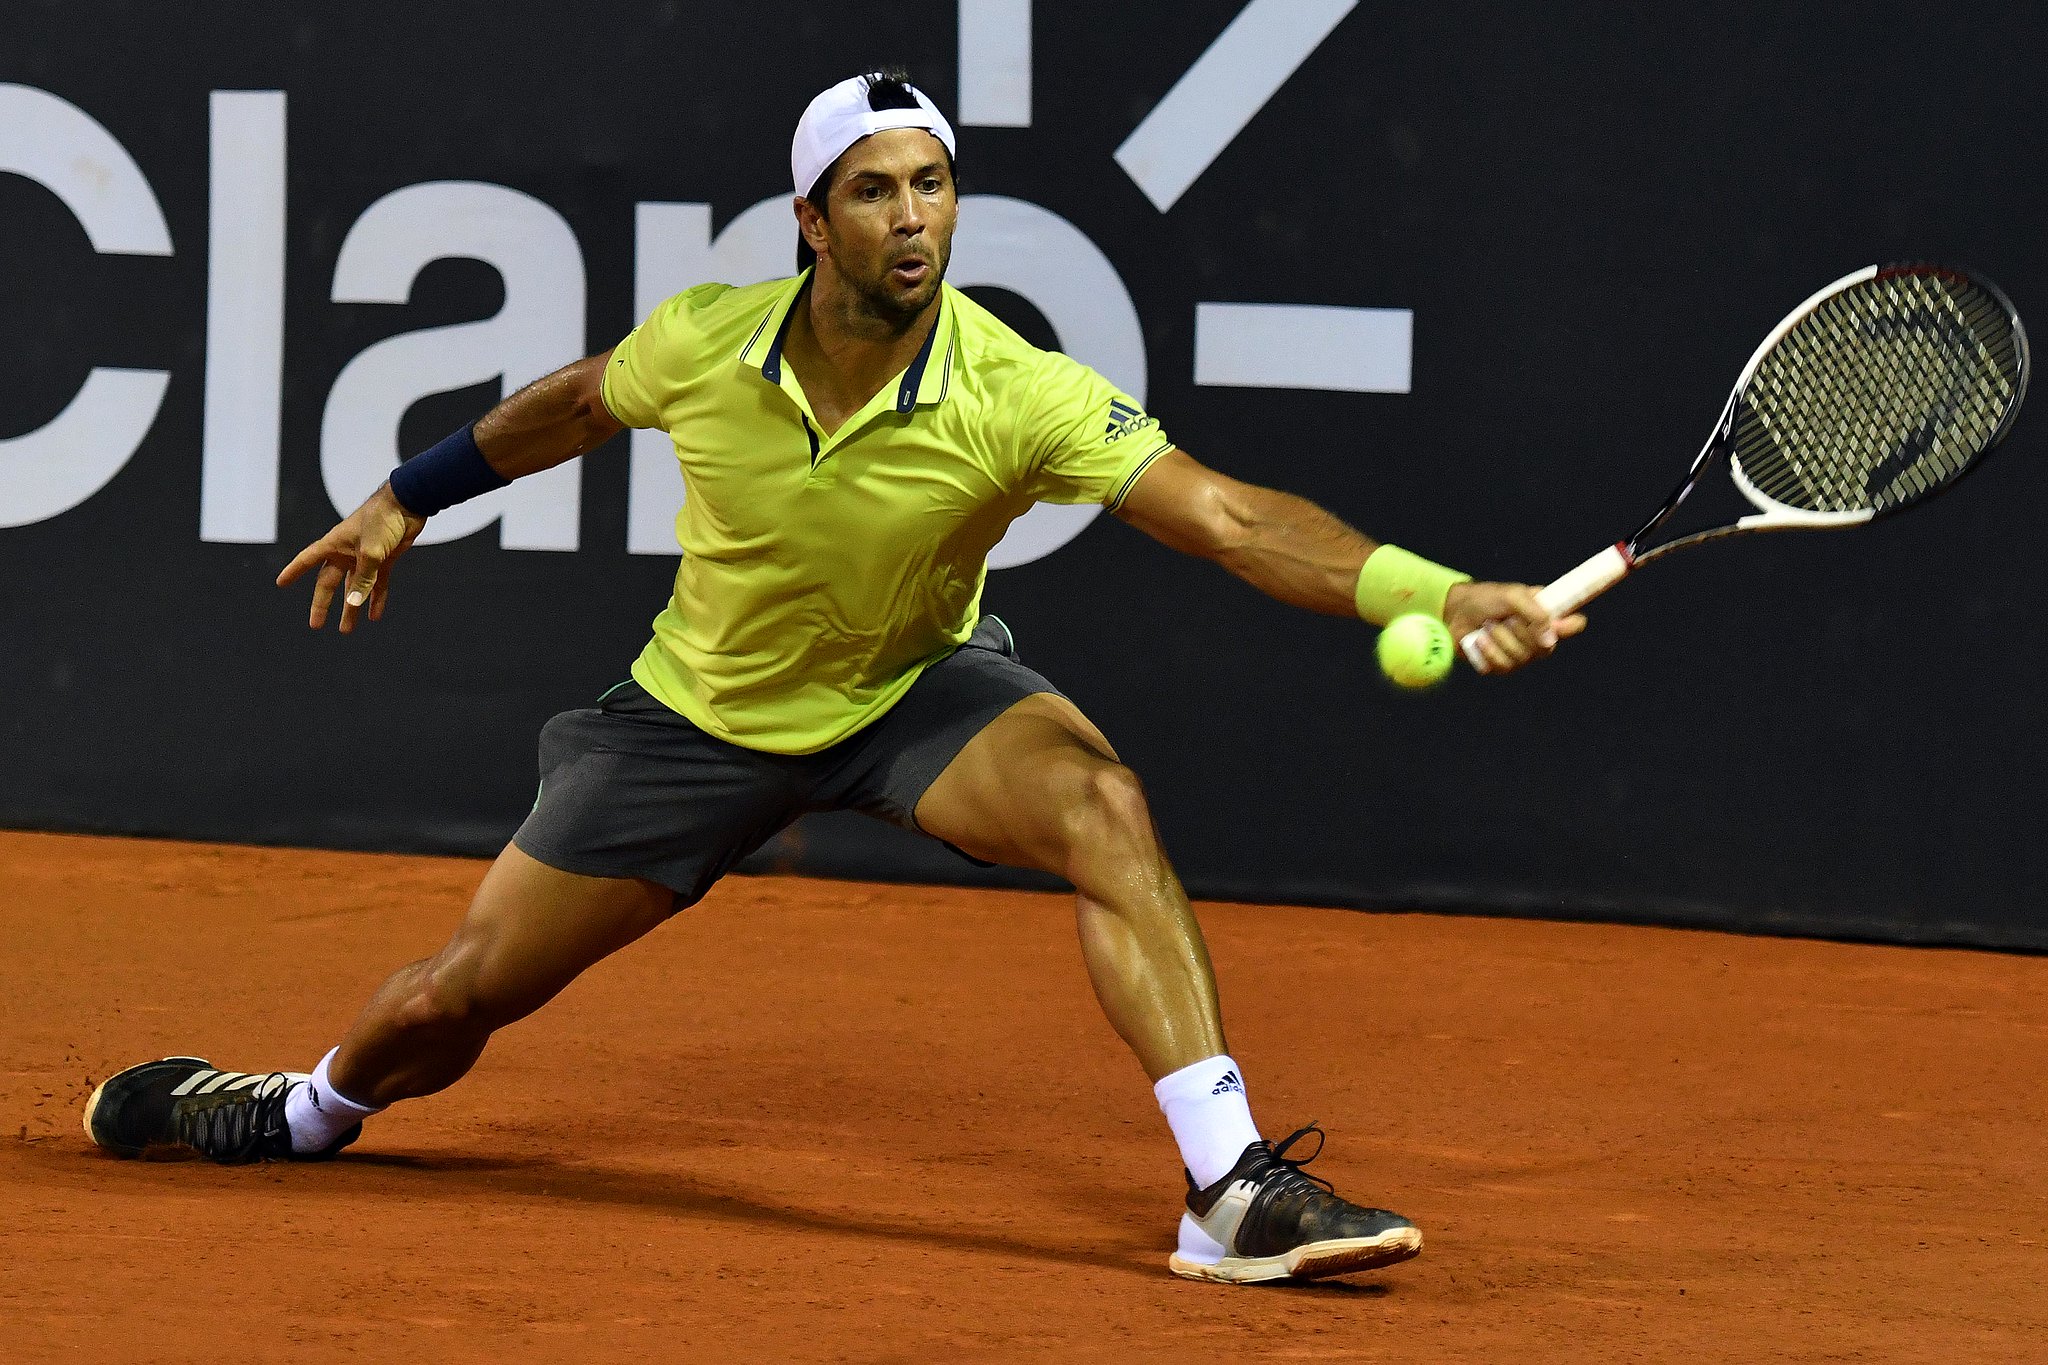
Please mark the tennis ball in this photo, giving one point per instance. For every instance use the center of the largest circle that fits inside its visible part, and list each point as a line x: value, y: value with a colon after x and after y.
x: 1415, y: 650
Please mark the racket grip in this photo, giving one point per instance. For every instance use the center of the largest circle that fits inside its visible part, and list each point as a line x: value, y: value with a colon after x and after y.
x: 1567, y: 594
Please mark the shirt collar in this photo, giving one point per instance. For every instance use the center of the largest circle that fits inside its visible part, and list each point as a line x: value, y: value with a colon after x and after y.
x: 763, y: 350
x: 928, y: 379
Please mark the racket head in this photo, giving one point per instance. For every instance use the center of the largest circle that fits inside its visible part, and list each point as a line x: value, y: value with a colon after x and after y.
x: 1878, y: 392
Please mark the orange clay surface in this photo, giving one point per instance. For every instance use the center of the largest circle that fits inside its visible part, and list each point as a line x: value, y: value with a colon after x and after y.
x: 835, y: 1121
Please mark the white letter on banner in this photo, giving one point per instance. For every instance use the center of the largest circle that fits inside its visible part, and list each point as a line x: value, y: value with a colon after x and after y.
x: 1304, y: 346
x: 1223, y: 91
x: 674, y: 250
x: 995, y: 63
x: 53, y: 142
x: 1034, y: 253
x: 539, y: 330
x: 244, y: 318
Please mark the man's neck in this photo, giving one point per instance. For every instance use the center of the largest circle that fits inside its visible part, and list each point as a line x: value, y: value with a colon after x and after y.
x: 842, y: 353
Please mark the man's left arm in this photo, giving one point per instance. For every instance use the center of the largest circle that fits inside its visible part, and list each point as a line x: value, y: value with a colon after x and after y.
x: 1294, y: 551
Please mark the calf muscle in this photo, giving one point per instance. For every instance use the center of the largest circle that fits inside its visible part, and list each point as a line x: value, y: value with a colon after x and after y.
x: 530, y: 930
x: 1041, y: 788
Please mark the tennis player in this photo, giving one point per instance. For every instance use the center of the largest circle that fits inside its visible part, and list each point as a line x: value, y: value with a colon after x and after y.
x: 854, y: 441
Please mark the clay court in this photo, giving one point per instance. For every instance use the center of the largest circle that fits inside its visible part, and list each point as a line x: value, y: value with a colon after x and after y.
x: 834, y: 1121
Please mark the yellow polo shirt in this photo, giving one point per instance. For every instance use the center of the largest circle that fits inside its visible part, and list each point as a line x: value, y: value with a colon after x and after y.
x: 820, y: 576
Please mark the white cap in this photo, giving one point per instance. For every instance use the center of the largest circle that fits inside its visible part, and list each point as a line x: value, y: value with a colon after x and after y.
x: 841, y: 117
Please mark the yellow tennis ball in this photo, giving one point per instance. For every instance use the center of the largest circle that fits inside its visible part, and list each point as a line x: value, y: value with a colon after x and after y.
x: 1415, y: 650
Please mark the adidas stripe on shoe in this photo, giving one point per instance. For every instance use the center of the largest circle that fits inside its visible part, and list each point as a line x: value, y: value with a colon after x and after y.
x: 225, y: 1116
x: 1268, y: 1220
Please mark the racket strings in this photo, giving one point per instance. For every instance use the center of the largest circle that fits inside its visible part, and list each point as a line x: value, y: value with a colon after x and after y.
x: 1882, y: 394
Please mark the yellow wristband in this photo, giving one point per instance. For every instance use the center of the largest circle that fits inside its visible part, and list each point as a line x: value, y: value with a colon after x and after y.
x: 1395, y: 582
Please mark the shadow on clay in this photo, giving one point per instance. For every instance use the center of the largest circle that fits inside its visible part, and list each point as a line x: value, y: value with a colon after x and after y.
x: 461, y: 1176
x: 546, y: 1179
x: 539, y: 1178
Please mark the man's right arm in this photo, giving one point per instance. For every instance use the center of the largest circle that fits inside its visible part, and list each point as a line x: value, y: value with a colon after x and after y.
x: 549, y: 422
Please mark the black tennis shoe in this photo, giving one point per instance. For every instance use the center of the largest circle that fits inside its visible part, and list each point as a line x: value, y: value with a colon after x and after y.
x: 226, y: 1116
x: 1272, y: 1221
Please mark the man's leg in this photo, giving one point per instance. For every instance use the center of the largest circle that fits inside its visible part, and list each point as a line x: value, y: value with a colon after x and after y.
x: 635, y: 797
x: 531, y: 930
x: 1040, y: 787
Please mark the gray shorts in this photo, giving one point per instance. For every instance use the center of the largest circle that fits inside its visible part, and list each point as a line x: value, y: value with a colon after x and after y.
x: 631, y: 789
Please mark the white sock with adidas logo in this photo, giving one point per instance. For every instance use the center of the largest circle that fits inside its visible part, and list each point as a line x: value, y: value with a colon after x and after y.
x: 317, y: 1114
x: 1206, y: 1107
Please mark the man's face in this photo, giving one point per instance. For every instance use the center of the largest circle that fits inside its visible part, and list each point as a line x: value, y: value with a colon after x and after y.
x: 890, y: 230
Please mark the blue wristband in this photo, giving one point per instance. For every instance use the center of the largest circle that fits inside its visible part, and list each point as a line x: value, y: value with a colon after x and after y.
x: 450, y: 471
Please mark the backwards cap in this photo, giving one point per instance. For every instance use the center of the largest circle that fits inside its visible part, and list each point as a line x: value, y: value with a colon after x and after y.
x: 843, y: 116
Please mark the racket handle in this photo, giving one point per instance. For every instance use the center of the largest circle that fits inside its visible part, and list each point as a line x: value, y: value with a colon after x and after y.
x: 1567, y: 594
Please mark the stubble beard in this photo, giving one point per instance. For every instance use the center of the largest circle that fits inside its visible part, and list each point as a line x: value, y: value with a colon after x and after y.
x: 897, y: 311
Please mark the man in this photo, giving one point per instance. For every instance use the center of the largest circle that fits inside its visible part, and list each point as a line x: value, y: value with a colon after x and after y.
x: 854, y: 441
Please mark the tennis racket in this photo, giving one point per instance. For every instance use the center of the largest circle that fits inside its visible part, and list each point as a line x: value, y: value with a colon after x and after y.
x: 1875, y: 394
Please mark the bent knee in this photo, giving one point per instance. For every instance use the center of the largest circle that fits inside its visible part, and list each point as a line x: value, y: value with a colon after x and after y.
x: 454, y: 993
x: 1104, y: 810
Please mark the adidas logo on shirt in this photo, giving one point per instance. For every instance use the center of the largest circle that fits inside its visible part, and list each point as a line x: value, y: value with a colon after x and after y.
x: 1125, y: 419
x: 1228, y: 1083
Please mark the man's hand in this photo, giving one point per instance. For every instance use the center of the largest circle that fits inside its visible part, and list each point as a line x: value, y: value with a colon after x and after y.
x: 1516, y: 627
x: 359, y: 552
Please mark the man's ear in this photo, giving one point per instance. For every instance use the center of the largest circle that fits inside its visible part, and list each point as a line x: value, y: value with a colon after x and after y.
x: 810, y: 224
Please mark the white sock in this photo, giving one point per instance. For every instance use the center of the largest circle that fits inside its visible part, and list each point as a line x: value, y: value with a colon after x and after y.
x: 1210, y: 1117
x: 316, y: 1113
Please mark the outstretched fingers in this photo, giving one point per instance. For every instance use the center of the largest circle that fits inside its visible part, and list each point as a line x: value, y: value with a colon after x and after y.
x: 362, y: 586
x: 382, y: 590
x: 305, y: 559
x: 355, y: 559
x: 332, y: 574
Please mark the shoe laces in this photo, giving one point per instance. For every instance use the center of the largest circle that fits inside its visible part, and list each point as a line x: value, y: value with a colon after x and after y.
x: 234, y: 1125
x: 1294, y: 1165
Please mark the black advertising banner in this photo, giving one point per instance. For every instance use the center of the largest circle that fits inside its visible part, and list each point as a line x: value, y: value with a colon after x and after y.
x: 1475, y: 277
